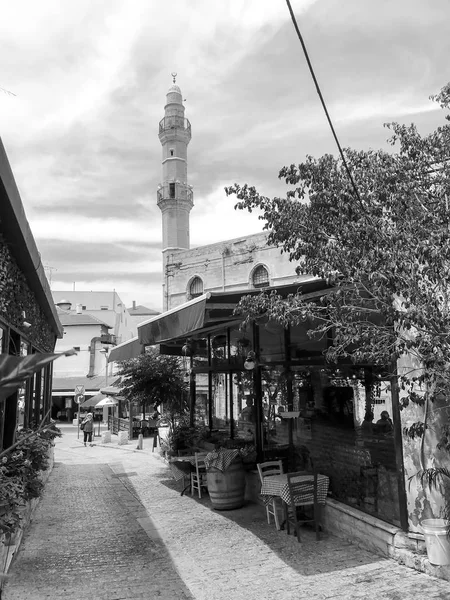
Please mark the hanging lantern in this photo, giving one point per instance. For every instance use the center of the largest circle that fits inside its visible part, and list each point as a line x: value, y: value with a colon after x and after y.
x: 250, y: 361
x: 188, y: 348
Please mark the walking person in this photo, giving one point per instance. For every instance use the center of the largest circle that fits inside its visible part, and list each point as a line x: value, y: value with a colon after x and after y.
x: 87, y: 426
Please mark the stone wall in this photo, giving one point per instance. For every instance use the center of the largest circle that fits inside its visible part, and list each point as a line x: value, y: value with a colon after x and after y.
x: 225, y: 266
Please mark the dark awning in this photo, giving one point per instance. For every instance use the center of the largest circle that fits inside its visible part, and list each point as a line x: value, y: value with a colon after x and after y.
x: 126, y: 350
x: 177, y: 322
x: 209, y: 312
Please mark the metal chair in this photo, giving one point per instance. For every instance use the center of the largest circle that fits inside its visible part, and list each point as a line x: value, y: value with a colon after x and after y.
x: 267, y: 469
x: 303, y: 492
x: 198, y: 477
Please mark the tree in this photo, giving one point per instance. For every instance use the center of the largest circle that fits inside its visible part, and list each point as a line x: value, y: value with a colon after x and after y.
x: 384, y: 249
x: 153, y: 379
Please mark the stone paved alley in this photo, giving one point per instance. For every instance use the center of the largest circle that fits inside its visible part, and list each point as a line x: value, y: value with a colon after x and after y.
x: 113, y: 526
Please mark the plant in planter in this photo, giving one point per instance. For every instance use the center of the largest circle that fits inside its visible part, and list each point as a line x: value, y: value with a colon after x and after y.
x: 20, y: 474
x: 182, y: 436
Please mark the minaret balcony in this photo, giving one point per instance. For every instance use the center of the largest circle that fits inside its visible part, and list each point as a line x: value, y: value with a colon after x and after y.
x: 175, y: 191
x: 174, y: 122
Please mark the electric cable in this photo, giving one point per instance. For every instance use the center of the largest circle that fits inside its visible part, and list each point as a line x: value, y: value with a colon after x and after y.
x: 316, y: 83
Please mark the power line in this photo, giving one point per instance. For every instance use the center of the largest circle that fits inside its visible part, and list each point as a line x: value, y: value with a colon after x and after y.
x: 313, y: 75
x: 7, y: 92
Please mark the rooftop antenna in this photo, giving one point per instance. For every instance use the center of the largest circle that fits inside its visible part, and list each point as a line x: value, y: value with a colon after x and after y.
x: 50, y: 271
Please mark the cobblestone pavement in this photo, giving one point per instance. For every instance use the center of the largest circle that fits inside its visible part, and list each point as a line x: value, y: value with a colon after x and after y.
x: 113, y: 526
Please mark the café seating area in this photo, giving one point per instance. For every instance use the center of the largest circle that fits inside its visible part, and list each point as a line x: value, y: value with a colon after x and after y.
x: 291, y: 499
x: 146, y: 427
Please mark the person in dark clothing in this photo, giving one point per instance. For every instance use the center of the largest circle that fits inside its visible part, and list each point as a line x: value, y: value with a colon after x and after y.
x: 367, y: 424
x: 384, y: 424
x: 88, y: 427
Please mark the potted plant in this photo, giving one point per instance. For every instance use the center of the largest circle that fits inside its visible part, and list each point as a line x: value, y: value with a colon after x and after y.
x: 437, y: 530
x: 21, y: 468
x: 183, y: 436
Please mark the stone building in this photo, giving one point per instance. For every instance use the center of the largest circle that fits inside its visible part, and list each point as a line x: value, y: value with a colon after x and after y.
x: 28, y: 320
x: 93, y: 322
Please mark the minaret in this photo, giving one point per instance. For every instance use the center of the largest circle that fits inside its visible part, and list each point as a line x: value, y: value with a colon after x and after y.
x: 175, y: 197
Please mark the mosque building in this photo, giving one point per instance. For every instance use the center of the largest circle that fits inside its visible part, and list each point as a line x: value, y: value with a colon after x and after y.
x: 225, y: 266
x: 299, y: 407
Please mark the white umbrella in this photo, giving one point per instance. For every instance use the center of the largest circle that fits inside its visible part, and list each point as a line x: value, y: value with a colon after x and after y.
x: 108, y: 401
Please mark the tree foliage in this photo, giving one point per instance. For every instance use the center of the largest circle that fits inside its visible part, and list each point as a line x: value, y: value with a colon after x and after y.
x: 153, y: 379
x: 385, y: 251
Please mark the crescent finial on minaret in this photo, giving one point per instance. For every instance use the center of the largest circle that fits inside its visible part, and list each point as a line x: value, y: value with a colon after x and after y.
x: 174, y: 75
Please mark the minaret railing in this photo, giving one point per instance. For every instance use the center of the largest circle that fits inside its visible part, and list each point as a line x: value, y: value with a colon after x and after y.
x: 181, y: 190
x: 174, y: 122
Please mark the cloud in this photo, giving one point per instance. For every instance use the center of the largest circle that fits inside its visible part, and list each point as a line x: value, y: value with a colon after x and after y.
x: 91, y: 78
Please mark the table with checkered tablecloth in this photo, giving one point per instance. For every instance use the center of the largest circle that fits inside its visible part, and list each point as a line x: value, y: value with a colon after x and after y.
x: 221, y: 459
x: 181, y: 466
x: 277, y: 485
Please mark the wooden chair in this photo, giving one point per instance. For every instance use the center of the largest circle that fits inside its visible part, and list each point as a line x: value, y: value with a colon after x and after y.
x: 302, y: 493
x: 267, y: 469
x: 198, y: 477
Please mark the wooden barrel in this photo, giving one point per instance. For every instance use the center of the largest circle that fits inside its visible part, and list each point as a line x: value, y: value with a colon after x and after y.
x: 227, y: 489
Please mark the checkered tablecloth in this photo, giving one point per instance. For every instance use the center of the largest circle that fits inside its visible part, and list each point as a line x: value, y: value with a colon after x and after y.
x: 277, y: 485
x: 181, y: 466
x: 221, y: 459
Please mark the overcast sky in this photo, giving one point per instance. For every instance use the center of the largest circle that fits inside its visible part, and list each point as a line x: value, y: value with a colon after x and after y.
x: 90, y: 78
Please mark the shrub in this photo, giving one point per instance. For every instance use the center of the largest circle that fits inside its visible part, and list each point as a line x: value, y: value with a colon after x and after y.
x: 20, y: 474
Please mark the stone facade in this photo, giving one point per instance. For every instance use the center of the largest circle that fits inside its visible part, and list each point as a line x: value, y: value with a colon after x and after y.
x: 224, y: 267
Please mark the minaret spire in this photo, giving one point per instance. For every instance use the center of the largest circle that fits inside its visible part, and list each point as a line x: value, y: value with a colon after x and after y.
x: 175, y: 197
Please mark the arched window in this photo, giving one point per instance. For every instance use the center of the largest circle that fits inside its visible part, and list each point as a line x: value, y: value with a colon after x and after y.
x: 260, y: 277
x: 196, y: 287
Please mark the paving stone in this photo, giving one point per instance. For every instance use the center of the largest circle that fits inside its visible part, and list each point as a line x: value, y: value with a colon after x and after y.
x: 112, y: 525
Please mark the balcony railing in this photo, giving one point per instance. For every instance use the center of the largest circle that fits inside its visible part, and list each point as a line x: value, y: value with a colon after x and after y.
x: 181, y: 191
x: 174, y: 123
